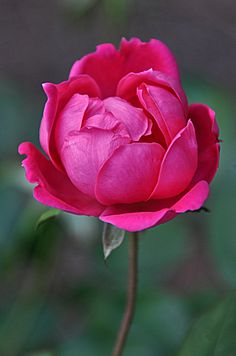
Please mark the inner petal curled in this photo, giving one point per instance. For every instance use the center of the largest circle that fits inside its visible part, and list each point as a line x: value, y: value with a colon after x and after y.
x: 85, y: 151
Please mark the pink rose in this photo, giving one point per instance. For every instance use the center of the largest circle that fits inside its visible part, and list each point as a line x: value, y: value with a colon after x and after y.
x: 122, y: 142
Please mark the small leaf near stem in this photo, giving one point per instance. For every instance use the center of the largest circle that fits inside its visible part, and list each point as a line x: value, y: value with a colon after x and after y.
x: 49, y: 214
x: 112, y: 237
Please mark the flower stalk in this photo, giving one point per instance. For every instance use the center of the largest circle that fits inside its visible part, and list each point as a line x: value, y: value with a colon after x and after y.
x: 131, y: 295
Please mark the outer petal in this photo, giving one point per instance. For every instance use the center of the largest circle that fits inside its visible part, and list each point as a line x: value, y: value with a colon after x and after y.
x: 104, y: 66
x: 194, y: 199
x: 140, y: 56
x: 136, y: 217
x: 58, y: 95
x: 133, y: 221
x: 129, y: 175
x: 165, y: 108
x: 207, y: 133
x: 178, y: 166
x: 84, y: 153
x: 133, y: 118
x: 54, y: 188
x: 108, y: 65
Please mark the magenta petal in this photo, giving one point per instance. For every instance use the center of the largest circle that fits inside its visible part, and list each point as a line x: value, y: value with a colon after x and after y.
x: 54, y: 188
x: 108, y: 65
x: 95, y: 107
x: 133, y: 221
x: 70, y: 118
x: 104, y: 66
x: 84, y: 153
x: 133, y: 118
x: 127, y: 87
x: 165, y: 108
x: 193, y: 199
x: 58, y: 95
x: 130, y: 174
x: 107, y: 122
x: 136, y: 217
x: 207, y: 132
x: 139, y: 56
x: 179, y: 164
x: 53, y: 93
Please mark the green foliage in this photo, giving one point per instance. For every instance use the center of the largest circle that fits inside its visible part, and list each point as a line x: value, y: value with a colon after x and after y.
x: 47, y: 215
x: 214, y: 333
x: 19, y: 323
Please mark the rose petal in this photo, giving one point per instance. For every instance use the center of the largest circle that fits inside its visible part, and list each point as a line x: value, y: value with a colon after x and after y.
x: 104, y: 66
x: 207, y: 132
x: 140, y: 56
x: 165, y: 108
x: 70, y: 118
x: 133, y: 221
x: 58, y: 95
x: 95, y: 107
x: 54, y: 188
x: 129, y: 175
x: 193, y: 199
x: 108, y: 65
x: 133, y: 118
x: 84, y: 153
x: 107, y: 121
x: 97, y: 116
x: 178, y: 165
x: 136, y: 217
x: 127, y: 87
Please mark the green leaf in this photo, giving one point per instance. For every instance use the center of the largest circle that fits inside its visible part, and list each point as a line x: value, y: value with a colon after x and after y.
x: 47, y: 215
x: 214, y: 333
x: 112, y: 237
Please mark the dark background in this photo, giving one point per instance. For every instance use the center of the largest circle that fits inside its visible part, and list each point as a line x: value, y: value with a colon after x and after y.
x: 57, y: 296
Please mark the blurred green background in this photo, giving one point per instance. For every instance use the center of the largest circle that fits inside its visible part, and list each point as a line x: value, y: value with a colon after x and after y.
x: 57, y: 295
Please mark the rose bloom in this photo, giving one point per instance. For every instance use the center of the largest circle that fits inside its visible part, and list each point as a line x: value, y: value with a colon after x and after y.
x: 121, y: 141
